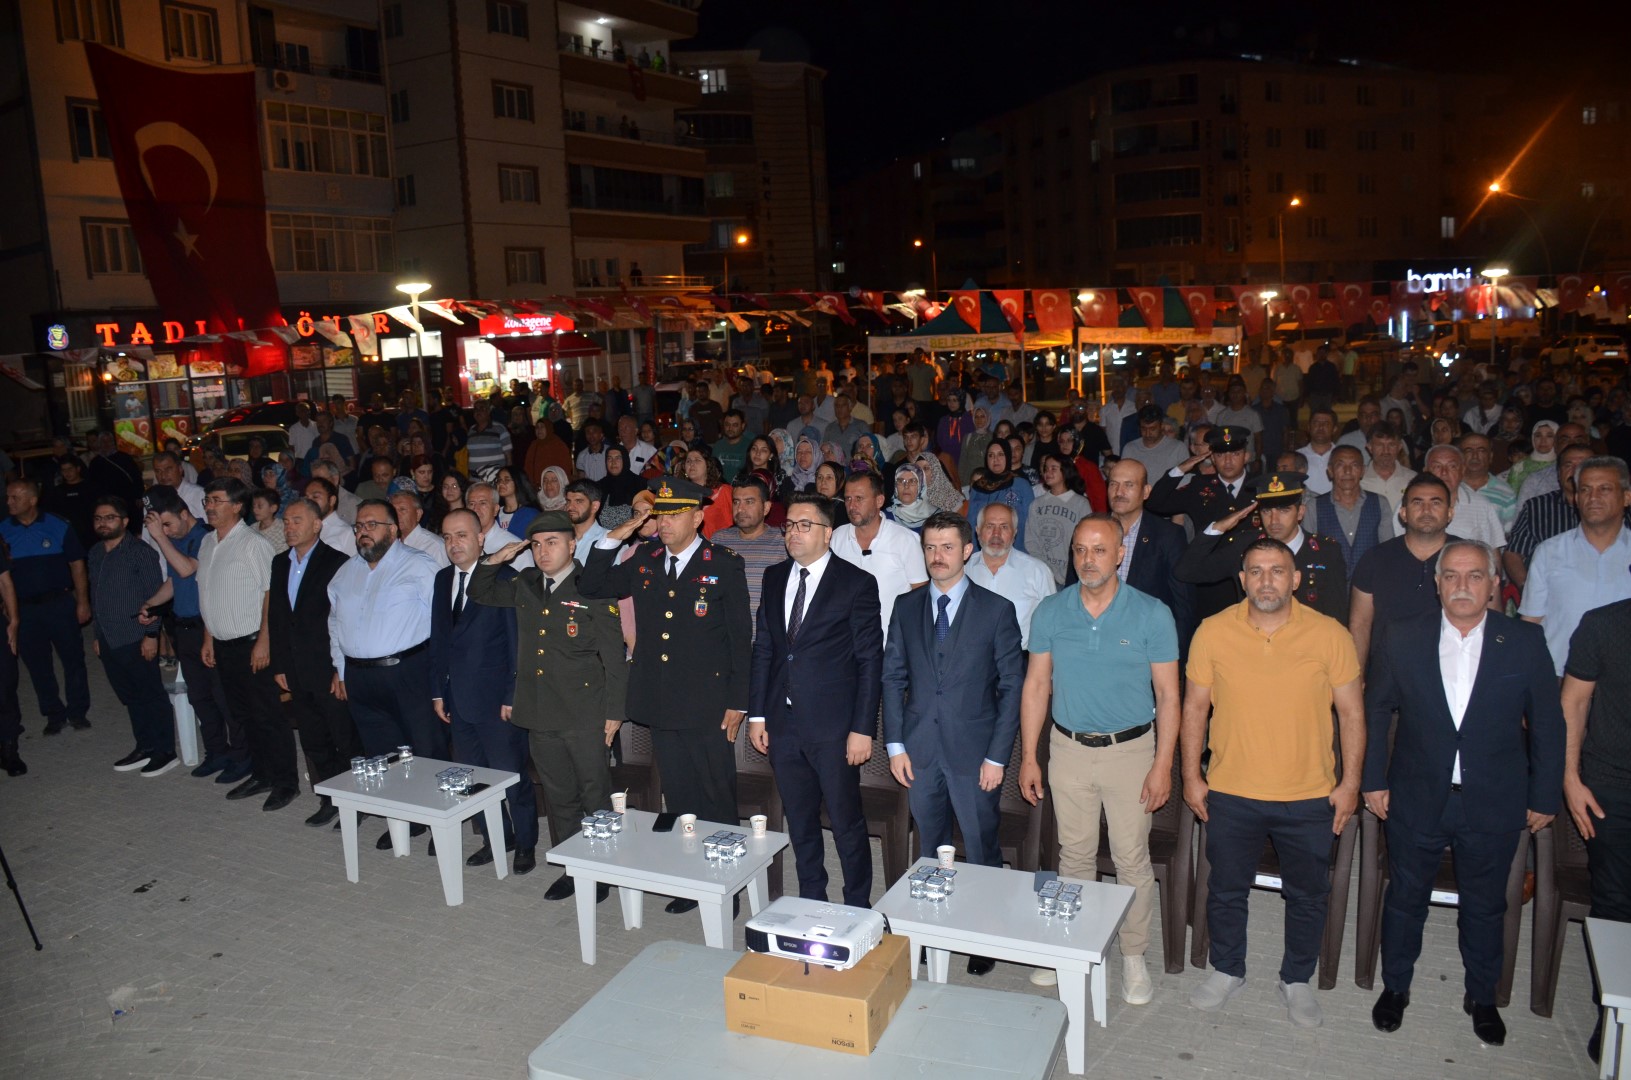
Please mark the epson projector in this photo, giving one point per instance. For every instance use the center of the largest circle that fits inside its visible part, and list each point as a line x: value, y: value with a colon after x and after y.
x: 827, y: 934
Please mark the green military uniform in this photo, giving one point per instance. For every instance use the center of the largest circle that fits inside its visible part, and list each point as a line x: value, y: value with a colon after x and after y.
x: 571, y: 677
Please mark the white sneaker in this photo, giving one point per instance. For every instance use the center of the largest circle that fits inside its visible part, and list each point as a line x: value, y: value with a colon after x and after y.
x: 1301, y: 1005
x: 1218, y: 988
x: 1044, y: 977
x: 1136, y: 988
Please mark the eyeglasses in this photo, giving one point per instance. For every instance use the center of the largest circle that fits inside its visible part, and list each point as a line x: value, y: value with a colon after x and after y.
x: 216, y: 500
x: 369, y: 526
x: 804, y: 525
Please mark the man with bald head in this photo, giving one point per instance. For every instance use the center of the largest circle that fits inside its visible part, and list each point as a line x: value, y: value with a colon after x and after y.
x: 409, y: 513
x: 1151, y: 546
x: 1475, y: 516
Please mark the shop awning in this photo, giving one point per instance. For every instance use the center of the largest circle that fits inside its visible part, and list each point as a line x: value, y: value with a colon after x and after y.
x: 534, y: 346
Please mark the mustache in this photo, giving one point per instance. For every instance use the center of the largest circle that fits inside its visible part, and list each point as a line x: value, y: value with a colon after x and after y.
x: 1462, y: 594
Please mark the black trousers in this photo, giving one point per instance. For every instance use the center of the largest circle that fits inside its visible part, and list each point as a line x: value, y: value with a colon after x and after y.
x: 327, y: 734
x: 140, y: 689
x: 253, y: 696
x: 391, y: 708
x: 698, y: 767
x: 1235, y: 833
x: 941, y: 794
x: 11, y: 710
x: 223, y: 736
x: 809, y: 773
x: 1609, y: 855
x: 577, y: 781
x: 497, y: 744
x: 51, y: 625
x: 1483, y: 860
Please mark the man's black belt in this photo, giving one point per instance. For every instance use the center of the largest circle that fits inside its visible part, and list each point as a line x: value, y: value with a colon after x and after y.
x: 1096, y: 739
x: 386, y: 661
x: 1455, y: 787
x: 44, y: 598
x: 187, y: 622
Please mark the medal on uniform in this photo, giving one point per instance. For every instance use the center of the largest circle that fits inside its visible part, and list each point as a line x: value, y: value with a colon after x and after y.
x: 701, y: 608
x: 707, y: 555
x: 571, y: 629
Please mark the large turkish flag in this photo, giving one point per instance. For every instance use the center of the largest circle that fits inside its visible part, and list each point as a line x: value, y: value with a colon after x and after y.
x: 1151, y: 305
x: 1203, y: 308
x: 186, y: 150
x: 1252, y: 307
x: 1012, y: 302
x: 1052, y: 307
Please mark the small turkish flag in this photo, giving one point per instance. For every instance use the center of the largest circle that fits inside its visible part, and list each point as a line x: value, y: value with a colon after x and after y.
x: 1380, y: 309
x: 834, y: 304
x: 1305, y: 301
x: 1572, y: 290
x: 1250, y: 301
x: 1353, y: 298
x: 1151, y: 305
x: 967, y: 302
x: 1012, y: 302
x: 1099, y: 308
x: 874, y: 302
x: 1052, y: 308
x: 1203, y: 310
x: 1618, y: 287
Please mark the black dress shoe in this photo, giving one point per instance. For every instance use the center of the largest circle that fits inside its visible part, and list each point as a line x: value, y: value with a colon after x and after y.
x: 678, y: 906
x: 559, y: 889
x: 210, y: 766
x: 525, y: 862
x: 482, y: 856
x: 280, y: 798
x: 79, y: 723
x: 10, y: 761
x: 980, y: 965
x: 234, y: 771
x: 1486, y: 1022
x: 250, y: 788
x: 1388, y: 1012
x: 54, y: 727
x: 325, y: 814
x: 602, y: 891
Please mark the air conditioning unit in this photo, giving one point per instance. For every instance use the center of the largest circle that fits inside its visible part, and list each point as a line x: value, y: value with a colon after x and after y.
x: 285, y: 81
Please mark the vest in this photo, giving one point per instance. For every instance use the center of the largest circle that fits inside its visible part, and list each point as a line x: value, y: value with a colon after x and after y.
x: 1370, y: 519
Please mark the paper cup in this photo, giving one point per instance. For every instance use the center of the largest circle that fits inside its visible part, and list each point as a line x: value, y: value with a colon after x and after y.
x: 688, y: 824
x: 760, y: 823
x: 948, y: 856
x: 620, y: 801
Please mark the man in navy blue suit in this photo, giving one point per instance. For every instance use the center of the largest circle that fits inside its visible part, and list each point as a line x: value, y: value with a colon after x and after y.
x: 1467, y: 771
x: 813, y: 694
x: 472, y: 685
x: 952, y: 675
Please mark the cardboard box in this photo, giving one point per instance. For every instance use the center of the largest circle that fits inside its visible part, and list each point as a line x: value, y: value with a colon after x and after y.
x: 779, y: 998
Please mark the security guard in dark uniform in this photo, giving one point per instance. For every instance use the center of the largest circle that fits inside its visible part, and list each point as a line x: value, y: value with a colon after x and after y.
x: 572, y: 675
x: 1203, y: 500
x: 692, y: 650
x: 1215, y: 554
x: 53, y: 602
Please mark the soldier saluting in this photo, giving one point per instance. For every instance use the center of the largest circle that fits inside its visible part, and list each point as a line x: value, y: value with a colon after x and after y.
x: 1203, y: 500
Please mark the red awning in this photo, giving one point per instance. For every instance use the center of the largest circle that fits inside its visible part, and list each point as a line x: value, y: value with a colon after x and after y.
x: 533, y: 346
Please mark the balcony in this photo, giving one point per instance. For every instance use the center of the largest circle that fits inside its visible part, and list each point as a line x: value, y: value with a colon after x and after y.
x: 600, y: 71
x: 675, y: 19
x: 612, y: 223
x: 301, y: 59
x: 647, y: 151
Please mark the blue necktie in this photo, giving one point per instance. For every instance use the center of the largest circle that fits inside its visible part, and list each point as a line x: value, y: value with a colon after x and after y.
x: 942, y: 625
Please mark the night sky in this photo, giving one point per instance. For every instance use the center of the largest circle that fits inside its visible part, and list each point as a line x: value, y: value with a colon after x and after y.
x: 900, y: 74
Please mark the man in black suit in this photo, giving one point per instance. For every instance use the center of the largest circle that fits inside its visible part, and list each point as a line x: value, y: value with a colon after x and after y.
x: 472, y: 685
x: 1477, y: 757
x: 950, y: 747
x: 1152, y: 549
x: 693, y: 648
x: 817, y: 658
x: 1203, y: 499
x: 297, y: 617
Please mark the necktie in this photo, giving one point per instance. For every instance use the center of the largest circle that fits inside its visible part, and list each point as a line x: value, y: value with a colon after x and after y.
x: 458, y: 597
x: 673, y: 570
x: 796, y: 620
x: 942, y: 625
x: 549, y: 587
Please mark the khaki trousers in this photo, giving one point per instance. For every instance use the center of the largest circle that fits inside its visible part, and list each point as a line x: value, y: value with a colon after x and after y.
x: 1085, y: 778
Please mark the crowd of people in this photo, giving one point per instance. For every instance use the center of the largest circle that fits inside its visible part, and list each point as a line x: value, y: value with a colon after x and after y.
x: 1204, y: 587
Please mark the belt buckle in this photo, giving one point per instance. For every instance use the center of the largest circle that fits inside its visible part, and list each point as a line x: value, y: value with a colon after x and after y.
x: 1096, y: 740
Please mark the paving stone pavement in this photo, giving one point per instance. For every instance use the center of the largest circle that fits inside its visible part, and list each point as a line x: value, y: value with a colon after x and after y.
x: 237, y: 950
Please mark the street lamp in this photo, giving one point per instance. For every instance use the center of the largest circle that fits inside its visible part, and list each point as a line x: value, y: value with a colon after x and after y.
x: 741, y: 239
x: 1495, y: 274
x: 934, y: 269
x: 1497, y: 188
x: 1280, y: 231
x: 413, y: 289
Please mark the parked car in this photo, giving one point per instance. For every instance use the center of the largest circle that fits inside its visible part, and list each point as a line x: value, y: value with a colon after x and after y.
x: 1594, y: 348
x: 234, y: 441
x: 276, y: 413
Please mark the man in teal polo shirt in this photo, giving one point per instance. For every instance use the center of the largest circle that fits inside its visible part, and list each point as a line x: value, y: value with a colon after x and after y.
x: 1115, y: 727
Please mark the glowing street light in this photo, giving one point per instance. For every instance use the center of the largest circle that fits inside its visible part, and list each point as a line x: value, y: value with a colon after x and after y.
x: 414, y: 289
x: 1495, y: 274
x: 1280, y: 231
x: 934, y: 268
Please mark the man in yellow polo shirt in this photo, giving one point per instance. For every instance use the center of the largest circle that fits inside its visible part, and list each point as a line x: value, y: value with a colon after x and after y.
x: 1269, y: 670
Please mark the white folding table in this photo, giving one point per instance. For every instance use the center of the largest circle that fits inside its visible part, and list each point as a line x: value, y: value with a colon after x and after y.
x: 1610, y: 945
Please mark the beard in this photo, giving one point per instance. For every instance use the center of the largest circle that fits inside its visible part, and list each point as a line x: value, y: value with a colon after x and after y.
x: 1268, y: 603
x: 373, y: 550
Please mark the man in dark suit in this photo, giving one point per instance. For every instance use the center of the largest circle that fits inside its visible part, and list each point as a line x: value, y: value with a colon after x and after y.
x: 472, y: 685
x: 1152, y: 550
x: 817, y: 657
x: 297, y: 617
x: 693, y: 648
x: 1477, y: 757
x: 1204, y: 499
x: 951, y: 746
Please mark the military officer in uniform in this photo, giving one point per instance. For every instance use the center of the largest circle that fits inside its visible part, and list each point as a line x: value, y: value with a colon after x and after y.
x: 572, y: 705
x: 692, y: 651
x: 1216, y: 551
x: 1203, y: 499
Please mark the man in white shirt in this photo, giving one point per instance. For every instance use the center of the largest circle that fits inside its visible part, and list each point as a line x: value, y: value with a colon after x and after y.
x: 592, y: 458
x: 167, y: 471
x: 891, y: 553
x: 1484, y: 416
x: 409, y: 513
x: 1385, y: 475
x: 636, y: 450
x: 1115, y: 410
x: 1019, y: 410
x: 302, y: 433
x: 1154, y: 447
x: 482, y: 500
x: 1019, y: 578
x: 1475, y: 516
x: 345, y: 502
x: 1322, y: 426
x: 336, y: 533
x: 583, y: 499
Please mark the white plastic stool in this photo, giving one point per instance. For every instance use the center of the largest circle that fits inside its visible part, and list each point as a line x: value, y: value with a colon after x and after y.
x: 186, y: 723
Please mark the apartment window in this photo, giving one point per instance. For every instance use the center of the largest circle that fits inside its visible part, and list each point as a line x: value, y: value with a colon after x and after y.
x: 1407, y: 140
x: 88, y: 131
x: 110, y: 247
x: 1271, y: 138
x: 1165, y: 230
x: 721, y: 185
x: 1367, y: 183
x: 331, y: 244
x: 1231, y: 234
x: 1271, y: 90
x: 1588, y: 115
x: 1364, y: 95
x: 1407, y: 228
x: 1314, y: 227
x: 1276, y: 183
x: 713, y: 80
x: 305, y: 138
x: 1314, y: 138
x: 1316, y: 183
x: 190, y: 33
x: 390, y: 20
x: 1151, y: 185
x: 405, y: 194
x: 507, y: 17
x: 1446, y: 227
x: 524, y: 266
x: 517, y: 183
x: 838, y: 267
x: 399, y: 107
x: 964, y: 165
x: 1367, y: 228
x: 512, y: 101
x: 1407, y: 97
x: 90, y: 20
x: 917, y: 170
x: 1407, y: 181
x: 1365, y: 140
x: 1314, y: 93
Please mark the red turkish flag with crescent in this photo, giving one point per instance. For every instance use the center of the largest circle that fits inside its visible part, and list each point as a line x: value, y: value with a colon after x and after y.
x: 833, y: 304
x: 1012, y: 302
x: 1353, y: 298
x: 874, y: 302
x: 1100, y: 308
x: 1150, y: 305
x: 1203, y: 309
x: 1052, y: 308
x: 1572, y: 290
x: 1380, y: 309
x: 186, y: 151
x: 1250, y: 301
x: 1305, y: 301
x: 967, y: 302
x: 1618, y: 286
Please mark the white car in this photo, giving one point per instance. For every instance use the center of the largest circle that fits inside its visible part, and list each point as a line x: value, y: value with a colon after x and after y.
x: 1593, y: 348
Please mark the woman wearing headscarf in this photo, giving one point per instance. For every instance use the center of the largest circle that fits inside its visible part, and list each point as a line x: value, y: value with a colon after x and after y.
x: 802, y: 475
x: 1092, y: 479
x: 954, y: 425
x: 619, y: 484
x: 998, y: 483
x: 938, y: 488
x: 275, y: 477
x: 552, y: 488
x: 702, y: 469
x: 831, y: 451
x: 1542, y: 455
x: 972, y: 456
x: 783, y: 441
x: 911, y: 507
x: 517, y: 502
